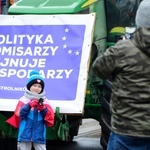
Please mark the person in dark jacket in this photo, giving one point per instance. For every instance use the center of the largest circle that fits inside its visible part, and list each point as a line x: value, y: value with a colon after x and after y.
x: 32, y: 115
x: 127, y: 63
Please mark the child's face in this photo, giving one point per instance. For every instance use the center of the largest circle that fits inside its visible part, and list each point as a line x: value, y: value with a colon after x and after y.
x: 36, y: 88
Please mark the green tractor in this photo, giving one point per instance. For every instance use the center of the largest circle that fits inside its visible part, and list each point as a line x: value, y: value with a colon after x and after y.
x: 112, y: 18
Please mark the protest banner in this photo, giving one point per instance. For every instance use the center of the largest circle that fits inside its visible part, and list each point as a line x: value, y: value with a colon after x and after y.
x: 58, y: 46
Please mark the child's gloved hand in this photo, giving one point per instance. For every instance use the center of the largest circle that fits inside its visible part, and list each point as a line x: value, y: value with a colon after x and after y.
x: 40, y: 107
x: 33, y: 103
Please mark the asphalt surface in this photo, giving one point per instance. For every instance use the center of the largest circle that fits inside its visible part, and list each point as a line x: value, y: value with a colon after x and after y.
x: 78, y: 144
x: 89, y: 128
x: 88, y: 138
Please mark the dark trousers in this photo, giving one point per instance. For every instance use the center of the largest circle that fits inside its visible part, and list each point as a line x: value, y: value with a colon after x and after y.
x: 122, y: 142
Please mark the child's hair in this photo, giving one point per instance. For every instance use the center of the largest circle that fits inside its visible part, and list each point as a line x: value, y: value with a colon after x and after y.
x: 35, y: 77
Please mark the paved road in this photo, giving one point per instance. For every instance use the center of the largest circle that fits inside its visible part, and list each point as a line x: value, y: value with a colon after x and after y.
x: 88, y: 138
x: 78, y: 144
x: 89, y: 128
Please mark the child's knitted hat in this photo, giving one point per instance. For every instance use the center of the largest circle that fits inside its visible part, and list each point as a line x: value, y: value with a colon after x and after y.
x: 35, y: 77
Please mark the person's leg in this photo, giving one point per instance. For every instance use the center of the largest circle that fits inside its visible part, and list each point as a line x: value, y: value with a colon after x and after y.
x: 25, y: 145
x: 122, y: 142
x: 148, y: 144
x: 38, y: 146
x: 114, y: 143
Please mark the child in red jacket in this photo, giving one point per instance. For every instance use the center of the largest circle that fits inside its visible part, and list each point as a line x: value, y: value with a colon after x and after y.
x: 32, y: 115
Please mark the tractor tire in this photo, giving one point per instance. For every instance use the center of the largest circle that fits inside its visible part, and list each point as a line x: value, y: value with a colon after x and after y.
x: 105, y: 119
x: 75, y: 123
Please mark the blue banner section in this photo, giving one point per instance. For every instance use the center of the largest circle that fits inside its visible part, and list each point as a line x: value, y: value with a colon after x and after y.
x: 54, y: 50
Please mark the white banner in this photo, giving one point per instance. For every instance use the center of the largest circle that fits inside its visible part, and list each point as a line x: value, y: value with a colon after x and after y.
x: 58, y: 46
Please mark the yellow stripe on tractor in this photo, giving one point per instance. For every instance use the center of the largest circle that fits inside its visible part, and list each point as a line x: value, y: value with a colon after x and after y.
x: 89, y: 2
